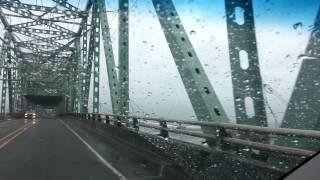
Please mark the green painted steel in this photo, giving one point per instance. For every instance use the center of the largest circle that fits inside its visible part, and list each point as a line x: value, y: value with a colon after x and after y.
x: 10, y: 90
x: 313, y: 47
x: 89, y: 66
x: 246, y: 77
x: 96, y: 56
x: 109, y: 57
x: 4, y: 58
x: 203, y: 98
x: 124, y: 56
x: 84, y: 87
x: 77, y: 75
x: 303, y: 108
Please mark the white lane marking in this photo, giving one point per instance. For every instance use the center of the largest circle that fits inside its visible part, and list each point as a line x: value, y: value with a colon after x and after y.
x: 106, y: 163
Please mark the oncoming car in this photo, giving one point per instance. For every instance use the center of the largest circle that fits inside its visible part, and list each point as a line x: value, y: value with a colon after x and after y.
x: 30, y: 115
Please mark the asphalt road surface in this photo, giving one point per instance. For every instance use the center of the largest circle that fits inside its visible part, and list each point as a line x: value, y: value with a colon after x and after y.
x: 50, y: 151
x: 56, y: 149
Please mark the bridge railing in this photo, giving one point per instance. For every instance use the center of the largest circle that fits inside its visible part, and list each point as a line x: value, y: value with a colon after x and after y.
x: 8, y: 116
x: 220, y: 138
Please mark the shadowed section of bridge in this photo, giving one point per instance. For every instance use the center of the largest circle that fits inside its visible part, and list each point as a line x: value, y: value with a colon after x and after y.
x: 45, y: 100
x: 50, y: 59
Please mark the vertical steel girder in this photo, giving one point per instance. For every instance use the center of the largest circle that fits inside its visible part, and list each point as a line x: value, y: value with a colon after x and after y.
x: 246, y: 77
x: 124, y: 56
x: 10, y: 85
x: 77, y: 74
x: 89, y: 69
x: 84, y: 87
x: 109, y: 57
x: 203, y: 98
x: 4, y: 90
x: 4, y: 55
x: 15, y: 88
x: 73, y: 86
x: 96, y: 56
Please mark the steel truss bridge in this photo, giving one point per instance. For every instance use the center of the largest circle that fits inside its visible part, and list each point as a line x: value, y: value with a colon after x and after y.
x: 46, y: 63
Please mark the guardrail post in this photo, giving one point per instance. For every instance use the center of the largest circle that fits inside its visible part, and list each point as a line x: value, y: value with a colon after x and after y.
x: 99, y: 118
x: 221, y: 133
x: 164, y: 133
x: 107, y: 120
x: 135, y: 123
x: 119, y: 124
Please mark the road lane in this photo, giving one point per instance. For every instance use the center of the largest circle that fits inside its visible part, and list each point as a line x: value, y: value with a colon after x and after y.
x: 49, y: 151
x: 7, y: 127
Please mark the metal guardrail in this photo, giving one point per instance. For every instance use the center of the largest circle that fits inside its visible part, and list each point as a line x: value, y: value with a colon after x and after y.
x: 220, y: 136
x: 8, y: 116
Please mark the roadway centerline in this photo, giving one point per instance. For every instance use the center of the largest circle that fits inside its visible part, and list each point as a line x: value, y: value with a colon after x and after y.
x: 12, y: 135
x: 104, y: 162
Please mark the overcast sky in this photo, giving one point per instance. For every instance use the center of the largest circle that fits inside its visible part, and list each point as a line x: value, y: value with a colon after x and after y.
x: 155, y: 84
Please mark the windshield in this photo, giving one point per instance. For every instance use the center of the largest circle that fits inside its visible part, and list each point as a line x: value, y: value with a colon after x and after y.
x: 138, y: 89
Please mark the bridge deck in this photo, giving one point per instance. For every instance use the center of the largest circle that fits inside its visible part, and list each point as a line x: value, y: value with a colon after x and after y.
x: 50, y: 150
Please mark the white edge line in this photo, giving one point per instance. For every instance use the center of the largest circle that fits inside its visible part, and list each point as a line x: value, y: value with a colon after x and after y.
x: 106, y: 163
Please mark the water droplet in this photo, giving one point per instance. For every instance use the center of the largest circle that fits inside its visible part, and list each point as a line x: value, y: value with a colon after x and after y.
x: 192, y: 32
x: 297, y: 25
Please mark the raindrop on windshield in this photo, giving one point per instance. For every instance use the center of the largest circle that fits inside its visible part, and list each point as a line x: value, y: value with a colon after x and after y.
x: 297, y: 25
x: 192, y: 32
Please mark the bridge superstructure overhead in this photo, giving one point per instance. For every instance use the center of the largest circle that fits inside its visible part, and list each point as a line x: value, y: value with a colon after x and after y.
x: 38, y: 49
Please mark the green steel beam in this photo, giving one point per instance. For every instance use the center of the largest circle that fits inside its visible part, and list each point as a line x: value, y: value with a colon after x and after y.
x: 203, y: 98
x: 16, y: 88
x: 96, y: 56
x: 84, y: 97
x: 34, y: 7
x: 313, y: 47
x: 243, y: 52
x: 109, y: 57
x: 10, y: 85
x: 77, y: 74
x: 124, y: 57
x: 303, y: 108
x: 93, y: 61
x: 4, y: 91
x: 73, y: 87
x: 3, y: 60
x: 69, y: 6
